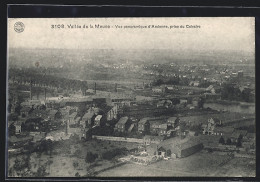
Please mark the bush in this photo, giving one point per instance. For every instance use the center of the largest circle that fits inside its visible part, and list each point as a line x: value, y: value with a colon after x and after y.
x: 108, y: 155
x: 90, y: 157
x: 77, y: 153
x: 41, y: 172
x: 221, y: 140
x: 75, y: 164
x: 229, y: 141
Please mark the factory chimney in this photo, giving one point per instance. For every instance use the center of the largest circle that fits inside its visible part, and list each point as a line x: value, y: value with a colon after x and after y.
x: 115, y: 87
x: 95, y: 88
x: 66, y: 128
x: 44, y: 93
x: 30, y: 89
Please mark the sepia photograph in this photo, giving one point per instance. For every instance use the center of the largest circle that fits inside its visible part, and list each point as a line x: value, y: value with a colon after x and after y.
x: 131, y: 97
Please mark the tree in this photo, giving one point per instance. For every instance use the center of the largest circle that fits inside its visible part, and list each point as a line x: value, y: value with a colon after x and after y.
x: 21, y: 164
x: 77, y: 153
x: 182, y: 126
x: 228, y: 141
x: 17, y: 108
x: 201, y: 103
x: 90, y: 157
x: 239, y: 143
x: 125, y: 108
x: 221, y: 140
x: 75, y: 164
x: 43, y: 107
x: 49, y: 146
x: 169, y: 153
x: 41, y: 171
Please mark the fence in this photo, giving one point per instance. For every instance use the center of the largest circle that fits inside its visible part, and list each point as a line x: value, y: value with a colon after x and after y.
x: 119, y: 139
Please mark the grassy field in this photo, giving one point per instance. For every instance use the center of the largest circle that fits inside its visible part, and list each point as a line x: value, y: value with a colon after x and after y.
x: 200, y: 164
x: 68, y: 158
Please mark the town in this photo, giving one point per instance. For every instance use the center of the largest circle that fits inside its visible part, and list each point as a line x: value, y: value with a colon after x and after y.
x: 193, y: 118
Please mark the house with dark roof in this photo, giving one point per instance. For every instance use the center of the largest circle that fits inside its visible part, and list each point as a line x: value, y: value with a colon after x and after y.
x: 158, y: 125
x: 123, y: 124
x: 143, y: 125
x: 110, y: 112
x: 173, y: 122
x: 178, y: 150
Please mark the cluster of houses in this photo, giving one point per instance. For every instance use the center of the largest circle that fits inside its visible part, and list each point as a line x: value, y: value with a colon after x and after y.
x: 58, y: 119
x: 56, y: 114
x: 99, y: 115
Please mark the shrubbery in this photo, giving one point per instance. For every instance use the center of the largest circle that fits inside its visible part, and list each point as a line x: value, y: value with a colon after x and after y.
x: 90, y: 157
x: 108, y: 155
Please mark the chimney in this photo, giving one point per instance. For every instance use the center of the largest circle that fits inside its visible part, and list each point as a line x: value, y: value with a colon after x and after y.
x: 115, y: 87
x: 44, y: 93
x: 30, y: 89
x: 95, y: 88
x: 66, y: 128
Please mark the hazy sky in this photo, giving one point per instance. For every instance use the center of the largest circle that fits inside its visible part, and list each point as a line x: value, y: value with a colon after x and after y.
x: 215, y: 34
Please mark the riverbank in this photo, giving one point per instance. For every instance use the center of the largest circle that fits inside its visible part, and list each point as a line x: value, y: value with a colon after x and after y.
x: 228, y: 102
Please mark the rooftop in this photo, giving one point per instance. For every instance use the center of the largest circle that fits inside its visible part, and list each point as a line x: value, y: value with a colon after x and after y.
x: 123, y: 120
x: 171, y: 119
x: 98, y: 117
x: 88, y: 115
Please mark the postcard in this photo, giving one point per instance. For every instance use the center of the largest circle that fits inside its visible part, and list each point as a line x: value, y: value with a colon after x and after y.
x: 131, y: 97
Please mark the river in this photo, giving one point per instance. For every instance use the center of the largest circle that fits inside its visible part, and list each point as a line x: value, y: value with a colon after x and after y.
x: 232, y: 107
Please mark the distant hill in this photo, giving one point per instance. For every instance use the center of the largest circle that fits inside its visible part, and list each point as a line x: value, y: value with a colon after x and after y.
x: 72, y: 57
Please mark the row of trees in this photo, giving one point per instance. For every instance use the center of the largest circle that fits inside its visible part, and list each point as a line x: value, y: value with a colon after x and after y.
x: 232, y: 92
x: 178, y: 81
x: 22, y: 167
x: 44, y: 80
x: 238, y: 143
